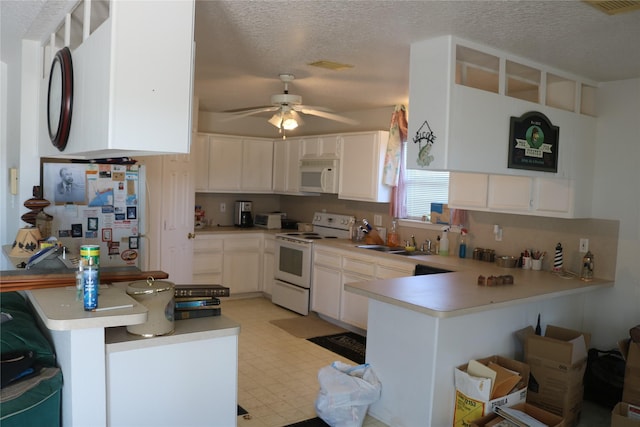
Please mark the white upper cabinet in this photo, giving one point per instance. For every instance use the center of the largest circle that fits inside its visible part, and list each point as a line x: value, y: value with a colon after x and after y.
x: 233, y: 164
x: 462, y: 96
x: 200, y: 161
x: 325, y: 146
x: 286, y: 166
x: 133, y: 83
x: 361, y: 163
x: 539, y: 196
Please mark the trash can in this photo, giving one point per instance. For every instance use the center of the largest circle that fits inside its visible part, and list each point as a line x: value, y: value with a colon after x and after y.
x: 346, y: 391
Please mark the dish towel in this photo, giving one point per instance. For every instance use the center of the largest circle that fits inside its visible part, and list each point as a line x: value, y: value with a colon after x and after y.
x: 393, y: 156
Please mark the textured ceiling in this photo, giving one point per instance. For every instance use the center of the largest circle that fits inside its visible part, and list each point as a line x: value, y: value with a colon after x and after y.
x: 242, y: 46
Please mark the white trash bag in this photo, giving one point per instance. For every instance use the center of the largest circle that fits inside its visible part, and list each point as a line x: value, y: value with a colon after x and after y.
x: 346, y: 392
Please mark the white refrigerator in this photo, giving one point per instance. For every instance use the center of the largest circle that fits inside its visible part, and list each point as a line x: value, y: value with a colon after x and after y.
x: 97, y: 204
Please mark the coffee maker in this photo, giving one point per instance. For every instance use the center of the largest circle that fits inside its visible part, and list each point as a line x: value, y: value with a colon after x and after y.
x: 242, y: 214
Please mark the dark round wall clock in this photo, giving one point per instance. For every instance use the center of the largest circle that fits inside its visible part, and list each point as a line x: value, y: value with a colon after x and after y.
x: 60, y: 98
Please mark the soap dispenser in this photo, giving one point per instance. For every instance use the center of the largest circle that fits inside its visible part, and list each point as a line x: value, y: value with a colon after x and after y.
x: 444, y: 242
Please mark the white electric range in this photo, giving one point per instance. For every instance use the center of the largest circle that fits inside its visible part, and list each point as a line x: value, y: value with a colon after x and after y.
x: 294, y: 259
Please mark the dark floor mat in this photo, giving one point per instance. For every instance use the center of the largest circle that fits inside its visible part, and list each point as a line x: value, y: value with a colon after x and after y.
x: 313, y: 422
x: 349, y: 345
x: 241, y: 411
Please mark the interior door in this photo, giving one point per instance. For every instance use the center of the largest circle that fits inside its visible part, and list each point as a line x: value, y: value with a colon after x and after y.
x: 178, y: 199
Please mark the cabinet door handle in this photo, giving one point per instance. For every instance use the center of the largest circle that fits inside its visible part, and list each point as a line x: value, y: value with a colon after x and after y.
x: 191, y: 235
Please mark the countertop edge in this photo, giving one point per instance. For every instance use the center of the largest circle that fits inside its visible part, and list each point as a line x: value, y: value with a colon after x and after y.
x: 355, y: 287
x: 134, y: 315
x: 187, y: 330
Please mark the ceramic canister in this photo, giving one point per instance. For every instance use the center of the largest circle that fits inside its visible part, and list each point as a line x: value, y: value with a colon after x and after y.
x: 158, y: 297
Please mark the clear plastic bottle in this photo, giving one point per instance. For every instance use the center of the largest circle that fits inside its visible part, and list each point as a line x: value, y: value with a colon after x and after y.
x: 392, y: 236
x: 444, y: 242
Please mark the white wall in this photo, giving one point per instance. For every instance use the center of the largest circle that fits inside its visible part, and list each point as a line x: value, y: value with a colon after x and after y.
x: 617, y: 196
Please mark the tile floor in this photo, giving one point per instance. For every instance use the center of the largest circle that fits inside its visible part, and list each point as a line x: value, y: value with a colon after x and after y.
x: 277, y: 372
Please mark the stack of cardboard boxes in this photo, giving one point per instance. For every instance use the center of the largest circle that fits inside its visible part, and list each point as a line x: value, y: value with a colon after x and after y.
x: 557, y: 362
x: 627, y: 412
x: 550, y: 384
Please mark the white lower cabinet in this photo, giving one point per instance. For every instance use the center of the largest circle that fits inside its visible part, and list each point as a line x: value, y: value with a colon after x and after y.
x: 234, y: 261
x: 241, y: 264
x: 327, y: 283
x: 268, y: 263
x: 333, y: 268
x: 355, y: 308
x: 207, y: 260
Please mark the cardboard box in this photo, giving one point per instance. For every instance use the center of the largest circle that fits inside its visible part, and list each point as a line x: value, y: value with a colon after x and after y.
x: 539, y: 414
x: 558, y: 361
x: 469, y: 408
x: 568, y: 405
x: 620, y: 416
x: 440, y: 213
x: 564, y: 346
x: 631, y: 388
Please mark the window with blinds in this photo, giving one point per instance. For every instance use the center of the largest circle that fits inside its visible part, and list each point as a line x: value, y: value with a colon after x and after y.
x: 424, y: 188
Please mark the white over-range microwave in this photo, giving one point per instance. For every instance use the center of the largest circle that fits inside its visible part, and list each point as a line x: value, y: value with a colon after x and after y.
x: 319, y: 175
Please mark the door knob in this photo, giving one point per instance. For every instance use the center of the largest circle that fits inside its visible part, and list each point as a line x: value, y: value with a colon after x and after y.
x: 191, y: 235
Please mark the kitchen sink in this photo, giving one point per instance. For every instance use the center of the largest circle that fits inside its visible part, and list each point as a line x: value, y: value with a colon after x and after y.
x: 381, y: 248
x: 412, y: 253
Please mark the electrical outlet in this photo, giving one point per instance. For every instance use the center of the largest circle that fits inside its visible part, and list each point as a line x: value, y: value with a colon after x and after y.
x: 377, y: 220
x: 584, y: 245
x: 223, y: 207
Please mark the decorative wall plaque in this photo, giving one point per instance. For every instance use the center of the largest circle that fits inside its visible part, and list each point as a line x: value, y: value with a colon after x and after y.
x: 533, y: 143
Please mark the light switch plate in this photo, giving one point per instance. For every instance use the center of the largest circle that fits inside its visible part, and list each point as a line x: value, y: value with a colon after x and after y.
x: 584, y: 245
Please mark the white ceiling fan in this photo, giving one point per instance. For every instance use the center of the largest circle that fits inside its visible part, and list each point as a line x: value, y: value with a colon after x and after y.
x: 286, y: 107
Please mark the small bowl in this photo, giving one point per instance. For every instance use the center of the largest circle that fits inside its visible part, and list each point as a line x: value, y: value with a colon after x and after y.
x: 507, y: 261
x: 409, y: 248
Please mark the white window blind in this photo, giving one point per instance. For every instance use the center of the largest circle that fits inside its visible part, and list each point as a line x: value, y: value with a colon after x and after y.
x: 424, y: 188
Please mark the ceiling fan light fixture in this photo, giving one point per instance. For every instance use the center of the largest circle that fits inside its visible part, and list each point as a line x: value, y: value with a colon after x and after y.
x: 287, y: 120
x: 276, y: 120
x: 289, y: 124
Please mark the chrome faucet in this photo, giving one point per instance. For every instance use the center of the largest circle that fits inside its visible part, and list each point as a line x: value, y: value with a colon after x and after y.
x: 426, y: 246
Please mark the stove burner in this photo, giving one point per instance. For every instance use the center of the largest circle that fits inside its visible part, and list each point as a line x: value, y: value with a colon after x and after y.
x: 330, y: 237
x: 313, y: 237
x: 310, y: 234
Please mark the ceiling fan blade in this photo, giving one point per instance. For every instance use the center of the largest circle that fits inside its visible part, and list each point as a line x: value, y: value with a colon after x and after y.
x: 302, y: 108
x: 330, y: 116
x: 228, y: 116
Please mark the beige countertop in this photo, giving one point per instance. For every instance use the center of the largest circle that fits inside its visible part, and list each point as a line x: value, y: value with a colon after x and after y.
x: 457, y: 293
x: 61, y: 311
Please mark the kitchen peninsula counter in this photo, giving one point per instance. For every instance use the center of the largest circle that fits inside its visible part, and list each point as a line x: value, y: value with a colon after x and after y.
x: 420, y: 328
x: 98, y: 356
x: 457, y: 293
